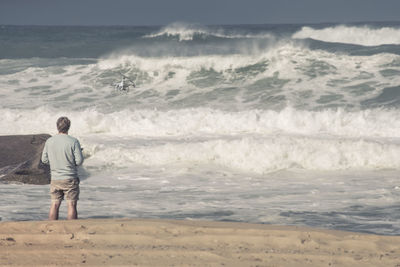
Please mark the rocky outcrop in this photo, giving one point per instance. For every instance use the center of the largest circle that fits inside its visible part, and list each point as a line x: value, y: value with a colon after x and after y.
x: 20, y: 159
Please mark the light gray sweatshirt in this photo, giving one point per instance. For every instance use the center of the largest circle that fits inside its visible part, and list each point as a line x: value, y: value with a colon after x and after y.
x: 64, y: 154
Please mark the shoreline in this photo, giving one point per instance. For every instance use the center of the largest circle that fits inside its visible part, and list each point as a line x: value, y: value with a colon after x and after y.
x: 153, y: 242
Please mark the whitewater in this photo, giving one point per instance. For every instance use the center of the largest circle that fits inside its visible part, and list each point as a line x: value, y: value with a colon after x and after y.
x: 276, y: 124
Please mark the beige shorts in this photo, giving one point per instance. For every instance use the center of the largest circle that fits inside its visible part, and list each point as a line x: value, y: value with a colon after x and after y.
x: 68, y: 187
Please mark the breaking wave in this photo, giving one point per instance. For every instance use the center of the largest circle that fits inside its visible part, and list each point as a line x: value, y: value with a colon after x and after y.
x: 369, y: 124
x: 365, y: 35
x: 189, y: 32
x: 253, y: 141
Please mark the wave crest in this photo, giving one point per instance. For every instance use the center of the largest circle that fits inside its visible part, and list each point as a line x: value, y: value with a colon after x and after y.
x: 365, y: 36
x: 189, y: 32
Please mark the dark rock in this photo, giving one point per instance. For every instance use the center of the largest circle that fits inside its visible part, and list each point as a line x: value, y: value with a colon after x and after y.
x: 20, y: 159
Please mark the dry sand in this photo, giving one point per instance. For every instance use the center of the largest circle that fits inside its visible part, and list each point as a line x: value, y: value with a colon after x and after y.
x: 123, y: 242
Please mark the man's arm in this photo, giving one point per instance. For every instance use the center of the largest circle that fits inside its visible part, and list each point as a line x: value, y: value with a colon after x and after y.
x: 45, y: 156
x: 78, y: 154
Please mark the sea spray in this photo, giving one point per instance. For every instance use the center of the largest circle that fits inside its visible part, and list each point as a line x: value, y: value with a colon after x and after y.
x: 364, y: 35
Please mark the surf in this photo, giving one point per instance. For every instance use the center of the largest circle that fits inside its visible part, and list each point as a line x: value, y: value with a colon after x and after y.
x: 360, y: 35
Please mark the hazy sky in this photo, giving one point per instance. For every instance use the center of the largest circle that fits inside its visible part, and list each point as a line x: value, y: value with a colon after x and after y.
x: 161, y: 12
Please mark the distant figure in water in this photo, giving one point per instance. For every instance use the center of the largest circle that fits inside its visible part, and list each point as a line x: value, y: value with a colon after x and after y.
x: 64, y: 154
x: 123, y: 86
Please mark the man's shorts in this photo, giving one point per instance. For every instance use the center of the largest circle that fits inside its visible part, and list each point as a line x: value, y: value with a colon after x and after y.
x: 67, y: 187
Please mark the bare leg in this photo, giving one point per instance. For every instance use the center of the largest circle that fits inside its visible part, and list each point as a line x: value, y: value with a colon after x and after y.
x: 54, y: 208
x: 72, y: 211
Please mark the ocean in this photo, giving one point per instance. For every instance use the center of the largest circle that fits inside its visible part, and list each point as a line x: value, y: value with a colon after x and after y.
x: 273, y: 124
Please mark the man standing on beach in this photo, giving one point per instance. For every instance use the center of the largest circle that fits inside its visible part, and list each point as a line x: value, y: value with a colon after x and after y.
x: 64, y: 154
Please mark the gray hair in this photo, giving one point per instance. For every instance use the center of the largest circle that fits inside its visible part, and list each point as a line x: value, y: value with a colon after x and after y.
x: 63, y: 124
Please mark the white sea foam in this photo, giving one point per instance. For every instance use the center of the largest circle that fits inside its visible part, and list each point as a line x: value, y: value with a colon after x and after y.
x: 252, y: 141
x: 184, y: 32
x: 187, y: 32
x: 364, y: 35
x: 377, y: 123
x: 255, y: 155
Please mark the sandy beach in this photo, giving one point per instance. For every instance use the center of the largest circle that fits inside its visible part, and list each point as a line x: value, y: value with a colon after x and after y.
x: 139, y: 242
